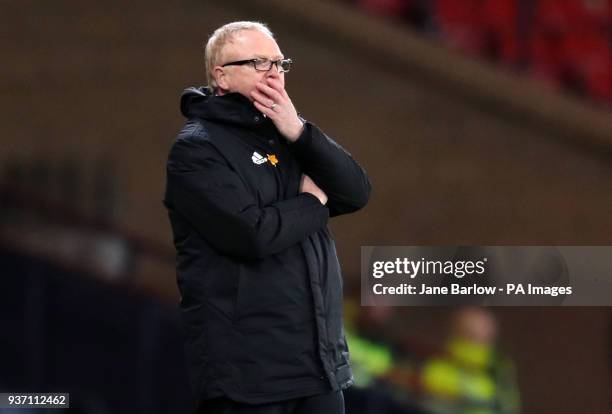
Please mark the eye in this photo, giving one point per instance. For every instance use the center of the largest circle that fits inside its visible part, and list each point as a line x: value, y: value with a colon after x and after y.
x: 262, y: 63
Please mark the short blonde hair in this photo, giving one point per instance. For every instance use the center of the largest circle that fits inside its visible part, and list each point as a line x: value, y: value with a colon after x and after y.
x: 220, y: 37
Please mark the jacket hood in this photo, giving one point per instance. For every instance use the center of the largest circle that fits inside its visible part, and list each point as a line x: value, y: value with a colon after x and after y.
x: 233, y: 108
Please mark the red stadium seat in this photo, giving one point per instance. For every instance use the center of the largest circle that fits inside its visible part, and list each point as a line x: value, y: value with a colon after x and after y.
x: 460, y: 24
x: 500, y: 20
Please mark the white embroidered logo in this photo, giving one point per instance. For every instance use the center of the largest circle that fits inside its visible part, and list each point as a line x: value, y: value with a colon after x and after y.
x: 258, y: 159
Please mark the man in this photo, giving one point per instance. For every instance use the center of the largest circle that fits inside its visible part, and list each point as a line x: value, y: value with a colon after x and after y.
x: 250, y: 187
x: 472, y: 376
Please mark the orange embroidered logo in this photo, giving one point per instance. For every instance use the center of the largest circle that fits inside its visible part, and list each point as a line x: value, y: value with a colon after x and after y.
x: 272, y: 158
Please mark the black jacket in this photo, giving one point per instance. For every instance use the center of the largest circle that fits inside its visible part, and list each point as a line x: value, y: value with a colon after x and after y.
x: 260, y: 283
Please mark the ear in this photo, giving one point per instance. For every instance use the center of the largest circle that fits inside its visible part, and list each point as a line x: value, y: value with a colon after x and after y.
x: 221, y: 77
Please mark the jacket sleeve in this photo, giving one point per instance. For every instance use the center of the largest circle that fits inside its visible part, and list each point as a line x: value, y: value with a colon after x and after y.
x: 211, y: 196
x: 333, y: 169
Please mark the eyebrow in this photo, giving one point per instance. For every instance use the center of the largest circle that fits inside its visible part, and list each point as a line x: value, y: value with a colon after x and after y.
x: 271, y: 58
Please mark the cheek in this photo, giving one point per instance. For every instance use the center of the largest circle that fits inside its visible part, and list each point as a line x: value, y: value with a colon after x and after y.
x: 251, y: 82
x: 248, y: 85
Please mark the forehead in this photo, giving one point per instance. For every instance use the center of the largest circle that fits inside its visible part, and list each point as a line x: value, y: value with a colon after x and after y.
x: 251, y: 43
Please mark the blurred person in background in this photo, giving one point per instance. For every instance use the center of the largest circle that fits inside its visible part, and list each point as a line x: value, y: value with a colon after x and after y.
x: 384, y: 377
x: 250, y: 188
x: 472, y: 377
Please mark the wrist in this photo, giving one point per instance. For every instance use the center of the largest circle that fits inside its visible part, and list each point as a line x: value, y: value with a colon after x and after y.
x: 295, y: 131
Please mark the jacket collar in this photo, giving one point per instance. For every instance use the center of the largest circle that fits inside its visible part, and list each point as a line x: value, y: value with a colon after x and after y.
x: 232, y: 108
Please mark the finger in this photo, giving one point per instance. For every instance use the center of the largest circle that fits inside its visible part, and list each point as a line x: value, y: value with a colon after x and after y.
x: 269, y: 91
x: 274, y: 83
x: 272, y: 93
x: 277, y: 86
x: 262, y: 99
x: 265, y: 110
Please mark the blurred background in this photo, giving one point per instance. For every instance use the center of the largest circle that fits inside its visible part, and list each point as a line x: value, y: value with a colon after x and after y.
x: 480, y: 122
